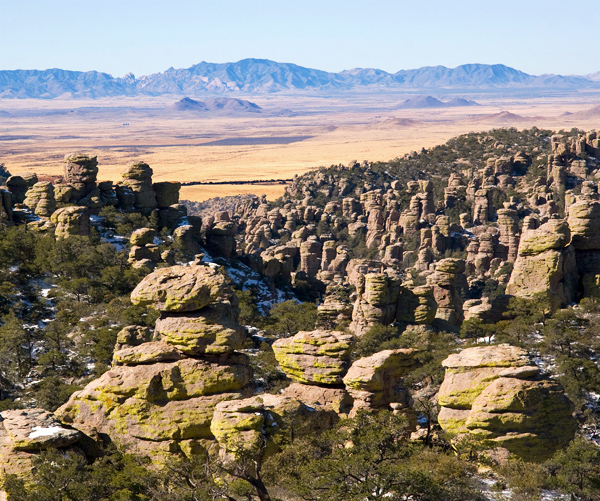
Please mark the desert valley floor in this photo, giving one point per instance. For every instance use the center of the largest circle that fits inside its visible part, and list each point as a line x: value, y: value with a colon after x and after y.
x: 291, y: 135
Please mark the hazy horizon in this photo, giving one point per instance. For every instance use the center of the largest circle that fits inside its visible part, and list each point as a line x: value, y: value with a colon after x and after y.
x: 151, y: 36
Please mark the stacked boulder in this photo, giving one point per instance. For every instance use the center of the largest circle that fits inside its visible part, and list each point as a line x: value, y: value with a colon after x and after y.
x: 143, y: 251
x: 74, y: 220
x: 40, y: 199
x: 448, y: 281
x: 497, y: 395
x: 545, y: 263
x: 159, y: 397
x: 135, y: 190
x: 377, y: 382
x: 79, y: 185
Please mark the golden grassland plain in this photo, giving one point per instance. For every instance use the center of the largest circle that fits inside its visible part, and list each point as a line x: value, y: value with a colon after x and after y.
x: 275, y: 144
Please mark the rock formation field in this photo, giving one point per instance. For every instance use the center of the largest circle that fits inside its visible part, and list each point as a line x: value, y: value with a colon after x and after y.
x: 447, y: 297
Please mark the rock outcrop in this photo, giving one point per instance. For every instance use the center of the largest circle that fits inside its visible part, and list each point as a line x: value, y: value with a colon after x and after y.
x: 71, y: 221
x: 545, y: 263
x: 317, y: 357
x: 498, y: 395
x: 376, y: 382
x: 160, y: 395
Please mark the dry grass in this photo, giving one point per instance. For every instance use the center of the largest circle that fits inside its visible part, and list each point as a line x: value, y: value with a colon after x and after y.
x: 340, y: 130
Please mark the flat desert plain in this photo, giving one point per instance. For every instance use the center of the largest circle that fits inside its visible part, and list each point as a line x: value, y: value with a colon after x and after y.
x: 291, y: 135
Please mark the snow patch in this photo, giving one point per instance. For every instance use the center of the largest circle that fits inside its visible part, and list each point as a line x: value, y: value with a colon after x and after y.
x: 39, y: 431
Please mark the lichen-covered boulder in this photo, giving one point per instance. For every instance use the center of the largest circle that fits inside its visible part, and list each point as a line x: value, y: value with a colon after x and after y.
x: 71, y: 221
x: 212, y: 331
x: 40, y: 199
x: 497, y: 395
x: 416, y: 305
x: 376, y: 382
x: 160, y: 402
x: 138, y: 178
x: 147, y: 353
x: 546, y: 264
x: 316, y: 357
x: 80, y: 173
x: 180, y: 288
x: 261, y: 425
x: 37, y: 429
x: 142, y: 236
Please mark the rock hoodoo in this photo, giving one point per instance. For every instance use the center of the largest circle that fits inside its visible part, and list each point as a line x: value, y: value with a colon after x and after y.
x: 161, y: 392
x: 500, y: 397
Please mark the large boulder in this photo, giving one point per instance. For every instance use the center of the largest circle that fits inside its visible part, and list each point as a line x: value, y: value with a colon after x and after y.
x: 138, y: 178
x: 317, y: 357
x: 261, y: 425
x: 180, y: 288
x: 376, y: 382
x: 159, y: 402
x: 212, y: 331
x: 546, y: 264
x: 497, y: 395
x: 40, y: 199
x: 71, y: 221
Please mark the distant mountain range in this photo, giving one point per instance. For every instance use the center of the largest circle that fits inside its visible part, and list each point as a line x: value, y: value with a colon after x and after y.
x: 264, y: 76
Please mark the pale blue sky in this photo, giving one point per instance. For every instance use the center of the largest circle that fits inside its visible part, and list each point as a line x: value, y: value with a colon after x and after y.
x: 148, y: 36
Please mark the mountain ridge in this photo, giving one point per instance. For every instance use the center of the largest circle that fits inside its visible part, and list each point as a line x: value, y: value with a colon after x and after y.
x: 263, y: 76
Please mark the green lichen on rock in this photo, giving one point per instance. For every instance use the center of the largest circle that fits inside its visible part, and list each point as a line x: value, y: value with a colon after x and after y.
x: 181, y: 288
x: 317, y: 357
x: 496, y: 395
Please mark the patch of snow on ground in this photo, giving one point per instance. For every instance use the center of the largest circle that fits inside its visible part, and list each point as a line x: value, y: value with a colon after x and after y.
x: 39, y: 431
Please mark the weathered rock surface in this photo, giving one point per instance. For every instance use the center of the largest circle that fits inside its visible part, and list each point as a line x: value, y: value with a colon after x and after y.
x: 262, y: 424
x: 37, y: 429
x: 545, y: 264
x: 317, y: 357
x: 211, y: 331
x: 376, y: 382
x: 180, y: 288
x: 40, y: 199
x: 71, y: 221
x: 499, y: 396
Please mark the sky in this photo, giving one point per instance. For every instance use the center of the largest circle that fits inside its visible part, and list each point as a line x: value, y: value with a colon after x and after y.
x: 149, y: 36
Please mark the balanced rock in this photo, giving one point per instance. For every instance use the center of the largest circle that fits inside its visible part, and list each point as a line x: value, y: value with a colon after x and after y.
x: 499, y: 396
x: 138, y: 178
x: 180, y: 288
x: 214, y: 330
x: 376, y: 382
x: 318, y: 357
